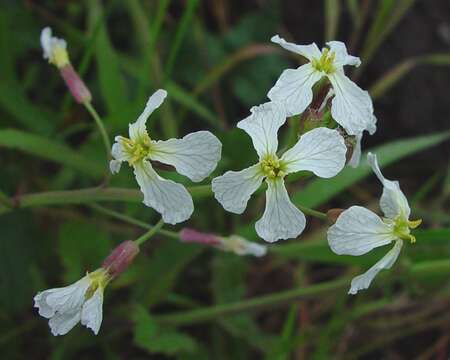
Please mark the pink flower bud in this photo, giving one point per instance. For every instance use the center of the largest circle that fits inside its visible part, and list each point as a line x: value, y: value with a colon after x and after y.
x: 76, y: 86
x: 194, y: 236
x: 119, y: 259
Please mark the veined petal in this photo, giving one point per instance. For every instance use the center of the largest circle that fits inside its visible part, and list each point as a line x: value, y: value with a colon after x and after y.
x: 320, y: 150
x: 196, y: 155
x: 119, y: 156
x: 393, y: 202
x: 262, y: 126
x: 363, y: 281
x: 281, y: 219
x: 67, y: 299
x: 357, y: 231
x: 138, y: 129
x: 351, y: 106
x: 341, y: 55
x: 62, y: 323
x: 308, y: 51
x: 168, y: 198
x: 234, y: 188
x: 92, y: 311
x: 356, y: 155
x: 293, y: 89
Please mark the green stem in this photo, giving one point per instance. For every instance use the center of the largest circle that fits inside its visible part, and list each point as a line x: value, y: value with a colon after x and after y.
x: 311, y: 212
x: 150, y: 233
x: 213, y: 312
x: 101, y: 128
x: 90, y: 195
x: 131, y: 220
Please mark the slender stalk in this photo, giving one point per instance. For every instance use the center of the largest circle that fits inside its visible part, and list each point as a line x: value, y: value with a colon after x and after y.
x: 101, y: 128
x: 311, y: 212
x: 131, y: 220
x: 142, y: 239
x: 213, y: 312
x: 91, y: 195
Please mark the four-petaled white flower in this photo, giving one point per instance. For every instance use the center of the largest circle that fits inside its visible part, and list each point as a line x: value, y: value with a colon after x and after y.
x: 351, y: 107
x: 55, y: 49
x: 81, y: 301
x: 359, y: 230
x: 321, y: 151
x: 196, y: 155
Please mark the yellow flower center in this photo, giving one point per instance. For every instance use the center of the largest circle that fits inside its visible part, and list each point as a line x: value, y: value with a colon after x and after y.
x: 99, y: 279
x: 272, y: 167
x: 137, y: 150
x: 59, y: 57
x: 402, y: 228
x: 325, y: 62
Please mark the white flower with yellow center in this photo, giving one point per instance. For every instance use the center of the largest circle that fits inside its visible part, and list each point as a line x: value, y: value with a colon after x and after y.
x: 55, y: 49
x: 359, y: 230
x: 196, y: 155
x: 79, y: 302
x: 351, y: 107
x: 321, y: 151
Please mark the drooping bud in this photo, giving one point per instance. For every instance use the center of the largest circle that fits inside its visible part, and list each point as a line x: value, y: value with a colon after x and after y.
x: 76, y: 86
x: 193, y: 236
x: 233, y: 243
x: 333, y: 214
x: 119, y: 259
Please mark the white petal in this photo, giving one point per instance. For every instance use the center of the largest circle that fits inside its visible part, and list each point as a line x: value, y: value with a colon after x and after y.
x: 262, y: 126
x: 119, y: 156
x: 356, y: 155
x: 234, y: 188
x: 114, y: 166
x: 196, y: 155
x: 138, y: 129
x: 351, y: 106
x: 67, y: 299
x: 320, y: 150
x: 293, y: 89
x: 241, y: 246
x: 92, y: 312
x: 40, y: 302
x: 393, y: 202
x: 61, y: 324
x: 308, y: 51
x: 357, y: 231
x: 46, y: 36
x: 170, y: 199
x: 363, y: 281
x: 281, y: 219
x: 341, y: 55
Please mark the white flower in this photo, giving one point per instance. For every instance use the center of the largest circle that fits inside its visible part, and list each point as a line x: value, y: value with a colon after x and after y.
x: 81, y: 301
x: 321, y: 151
x: 55, y: 49
x: 359, y: 230
x: 351, y: 106
x: 195, y: 156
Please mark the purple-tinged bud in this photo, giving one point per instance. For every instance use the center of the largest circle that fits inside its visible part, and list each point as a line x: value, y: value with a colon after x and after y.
x: 119, y: 259
x: 76, y: 86
x: 193, y: 236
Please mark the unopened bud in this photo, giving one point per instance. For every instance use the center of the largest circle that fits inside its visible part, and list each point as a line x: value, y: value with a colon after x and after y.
x: 193, y: 236
x: 119, y: 259
x: 76, y: 86
x: 333, y: 214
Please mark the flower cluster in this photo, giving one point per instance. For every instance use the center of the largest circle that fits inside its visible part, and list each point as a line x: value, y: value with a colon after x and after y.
x: 319, y: 87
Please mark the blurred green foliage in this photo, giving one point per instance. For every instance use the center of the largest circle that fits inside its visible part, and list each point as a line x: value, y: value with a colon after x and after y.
x: 215, y: 66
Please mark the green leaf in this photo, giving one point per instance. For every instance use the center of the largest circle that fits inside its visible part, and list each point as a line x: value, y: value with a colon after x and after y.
x: 50, y: 150
x: 82, y: 247
x: 112, y: 84
x: 154, y: 339
x: 319, y: 191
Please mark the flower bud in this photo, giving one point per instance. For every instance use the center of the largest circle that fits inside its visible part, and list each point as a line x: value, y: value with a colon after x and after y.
x: 76, y: 86
x: 333, y: 214
x: 193, y: 236
x: 119, y: 259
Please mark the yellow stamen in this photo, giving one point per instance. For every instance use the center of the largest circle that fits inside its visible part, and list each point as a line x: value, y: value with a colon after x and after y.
x: 325, y: 62
x: 99, y: 279
x: 59, y: 57
x: 272, y: 167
